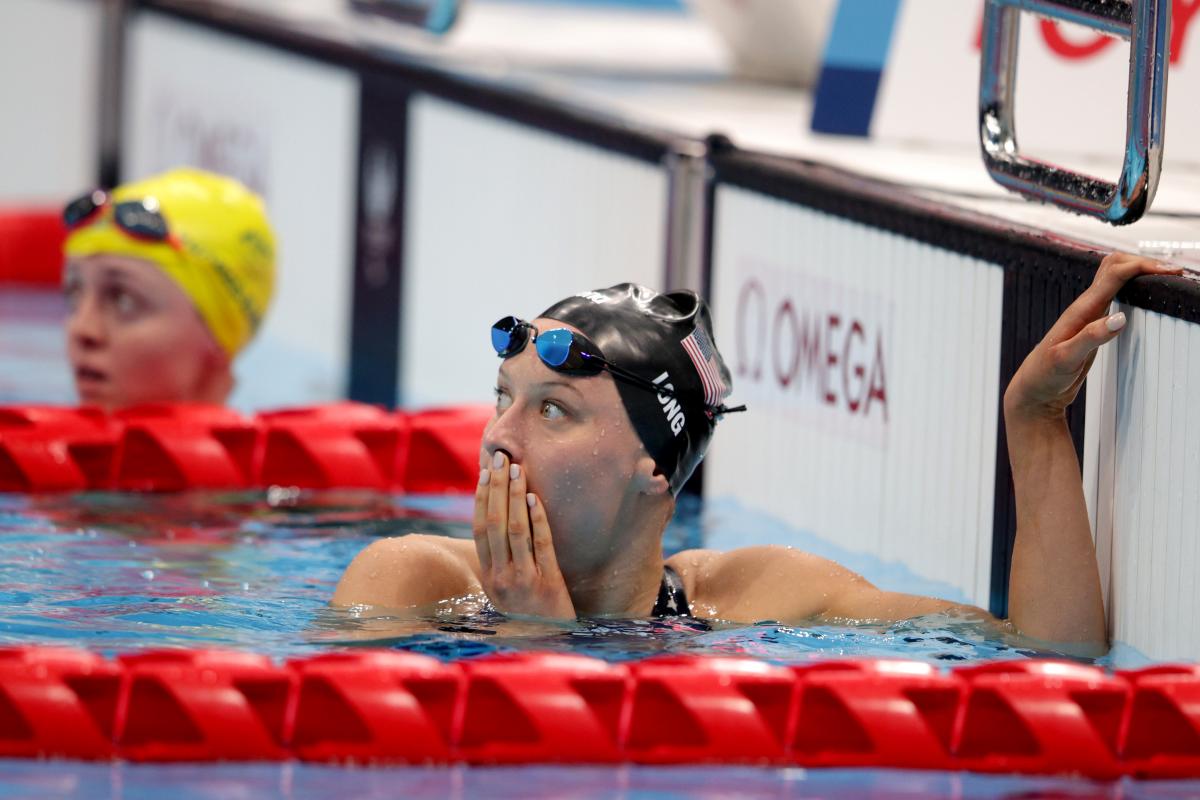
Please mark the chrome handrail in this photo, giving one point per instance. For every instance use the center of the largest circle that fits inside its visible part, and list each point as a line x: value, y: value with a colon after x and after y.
x: 1146, y: 24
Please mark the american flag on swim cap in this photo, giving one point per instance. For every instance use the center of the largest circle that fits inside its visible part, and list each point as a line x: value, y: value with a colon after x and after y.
x: 700, y: 349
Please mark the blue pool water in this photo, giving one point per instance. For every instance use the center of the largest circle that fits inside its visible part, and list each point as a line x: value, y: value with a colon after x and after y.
x: 302, y: 781
x: 254, y: 570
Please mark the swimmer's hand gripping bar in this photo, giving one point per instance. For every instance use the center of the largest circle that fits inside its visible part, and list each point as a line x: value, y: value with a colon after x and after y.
x: 1146, y: 24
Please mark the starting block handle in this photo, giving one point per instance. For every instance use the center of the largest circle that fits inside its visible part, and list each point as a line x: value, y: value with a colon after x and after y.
x: 1146, y: 24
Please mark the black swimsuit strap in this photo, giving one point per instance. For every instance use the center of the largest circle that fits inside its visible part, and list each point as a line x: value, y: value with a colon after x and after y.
x: 672, y: 598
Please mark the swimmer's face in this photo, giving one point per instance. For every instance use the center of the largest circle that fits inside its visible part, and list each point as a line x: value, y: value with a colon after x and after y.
x: 133, y: 336
x: 580, y: 453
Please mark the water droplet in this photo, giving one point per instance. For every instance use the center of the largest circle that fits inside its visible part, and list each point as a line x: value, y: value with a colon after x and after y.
x: 148, y: 574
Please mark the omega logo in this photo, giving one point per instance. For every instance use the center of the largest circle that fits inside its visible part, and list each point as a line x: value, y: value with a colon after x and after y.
x: 200, y: 136
x: 825, y: 354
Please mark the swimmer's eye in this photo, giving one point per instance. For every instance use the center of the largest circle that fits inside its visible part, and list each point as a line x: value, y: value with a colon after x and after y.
x: 503, y: 400
x: 122, y: 301
x: 72, y: 289
x: 552, y: 410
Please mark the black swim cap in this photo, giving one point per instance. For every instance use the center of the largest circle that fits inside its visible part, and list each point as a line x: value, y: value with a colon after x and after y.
x: 667, y: 339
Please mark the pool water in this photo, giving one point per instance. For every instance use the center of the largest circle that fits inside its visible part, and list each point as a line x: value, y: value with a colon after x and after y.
x: 302, y: 781
x: 254, y: 570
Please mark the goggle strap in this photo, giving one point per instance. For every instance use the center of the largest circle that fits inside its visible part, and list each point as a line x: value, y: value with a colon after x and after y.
x: 645, y: 383
x: 722, y: 410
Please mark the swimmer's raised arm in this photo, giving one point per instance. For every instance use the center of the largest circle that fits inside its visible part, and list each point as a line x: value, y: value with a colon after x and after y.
x: 1054, y: 586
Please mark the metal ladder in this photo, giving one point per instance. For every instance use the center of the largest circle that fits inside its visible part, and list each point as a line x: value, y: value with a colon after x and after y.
x: 1146, y: 24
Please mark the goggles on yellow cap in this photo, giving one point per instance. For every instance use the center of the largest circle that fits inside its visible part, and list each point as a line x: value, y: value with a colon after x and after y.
x: 207, y: 232
x: 140, y: 219
x: 143, y: 220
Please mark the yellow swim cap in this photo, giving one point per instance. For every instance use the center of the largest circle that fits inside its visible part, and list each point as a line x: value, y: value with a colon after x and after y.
x: 225, y: 258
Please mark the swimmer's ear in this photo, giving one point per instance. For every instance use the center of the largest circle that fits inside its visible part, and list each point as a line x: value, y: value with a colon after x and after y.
x: 647, y: 479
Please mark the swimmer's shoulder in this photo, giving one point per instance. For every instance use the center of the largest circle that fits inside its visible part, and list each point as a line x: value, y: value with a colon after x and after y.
x: 409, y: 571
x: 758, y: 583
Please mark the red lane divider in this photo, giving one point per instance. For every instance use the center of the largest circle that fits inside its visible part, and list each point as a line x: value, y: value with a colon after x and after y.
x: 172, y: 448
x: 376, y: 707
x: 58, y: 703
x: 876, y: 713
x: 442, y: 453
x: 341, y: 445
x: 178, y: 447
x: 203, y: 705
x: 691, y: 709
x: 543, y: 707
x: 371, y: 706
x: 1161, y: 737
x: 1042, y: 717
x: 44, y: 448
x: 31, y: 241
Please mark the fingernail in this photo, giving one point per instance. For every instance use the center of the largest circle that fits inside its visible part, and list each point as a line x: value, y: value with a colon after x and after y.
x: 530, y: 500
x: 1116, y: 321
x: 483, y: 476
x: 498, y: 460
x: 514, y: 471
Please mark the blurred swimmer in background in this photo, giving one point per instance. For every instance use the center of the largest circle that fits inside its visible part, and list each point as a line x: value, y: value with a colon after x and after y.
x: 166, y: 280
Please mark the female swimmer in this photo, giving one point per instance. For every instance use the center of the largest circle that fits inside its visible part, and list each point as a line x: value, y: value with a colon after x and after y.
x: 606, y: 403
x: 166, y: 281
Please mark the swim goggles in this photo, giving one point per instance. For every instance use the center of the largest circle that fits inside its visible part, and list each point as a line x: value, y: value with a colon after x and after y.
x: 564, y: 351
x: 141, y: 218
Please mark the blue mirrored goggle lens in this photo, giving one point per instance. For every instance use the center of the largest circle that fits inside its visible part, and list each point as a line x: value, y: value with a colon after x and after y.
x: 554, y: 346
x: 509, y: 336
x: 501, y: 340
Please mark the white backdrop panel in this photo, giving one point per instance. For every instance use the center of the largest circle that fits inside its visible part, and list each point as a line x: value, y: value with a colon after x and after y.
x: 288, y: 127
x: 869, y: 362
x: 504, y: 219
x: 1155, y: 488
x: 50, y: 93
